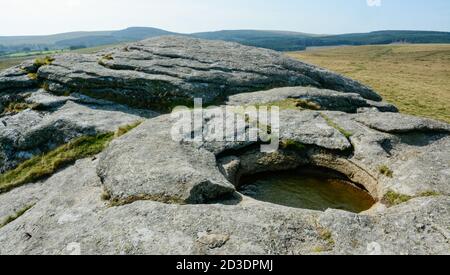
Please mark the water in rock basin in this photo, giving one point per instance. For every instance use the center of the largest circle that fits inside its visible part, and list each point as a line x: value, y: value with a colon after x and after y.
x: 307, y: 189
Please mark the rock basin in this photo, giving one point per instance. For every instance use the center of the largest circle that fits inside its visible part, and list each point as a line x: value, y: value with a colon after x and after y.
x: 308, y: 188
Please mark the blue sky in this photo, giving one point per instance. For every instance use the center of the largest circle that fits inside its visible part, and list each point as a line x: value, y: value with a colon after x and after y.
x: 26, y: 17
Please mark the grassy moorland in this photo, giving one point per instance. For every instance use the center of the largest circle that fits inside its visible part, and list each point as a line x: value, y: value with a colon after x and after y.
x: 416, y: 78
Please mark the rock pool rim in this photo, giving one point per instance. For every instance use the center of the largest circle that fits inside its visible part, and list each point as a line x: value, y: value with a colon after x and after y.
x: 329, y: 177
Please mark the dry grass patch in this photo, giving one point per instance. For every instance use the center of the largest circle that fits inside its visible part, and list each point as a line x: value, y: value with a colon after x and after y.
x: 392, y: 198
x: 333, y: 124
x: 290, y: 104
x: 416, y: 78
x: 16, y: 215
x: 16, y: 107
x: 45, y: 165
x: 125, y: 129
x: 42, y: 61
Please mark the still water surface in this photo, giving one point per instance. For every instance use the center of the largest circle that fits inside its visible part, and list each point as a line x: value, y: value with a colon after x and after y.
x: 308, y: 189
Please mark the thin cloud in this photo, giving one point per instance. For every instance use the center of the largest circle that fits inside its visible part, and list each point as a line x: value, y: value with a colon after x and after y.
x: 374, y: 3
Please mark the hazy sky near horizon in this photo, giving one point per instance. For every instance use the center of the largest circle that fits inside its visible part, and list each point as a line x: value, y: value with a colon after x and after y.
x: 33, y: 17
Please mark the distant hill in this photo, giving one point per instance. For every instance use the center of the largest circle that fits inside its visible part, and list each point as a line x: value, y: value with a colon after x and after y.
x: 78, y: 39
x: 289, y: 41
x: 130, y: 34
x: 383, y: 37
x: 276, y: 40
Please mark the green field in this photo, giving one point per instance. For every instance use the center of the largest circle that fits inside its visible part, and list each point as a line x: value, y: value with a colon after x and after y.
x: 30, y: 53
x: 416, y: 78
x: 17, y: 58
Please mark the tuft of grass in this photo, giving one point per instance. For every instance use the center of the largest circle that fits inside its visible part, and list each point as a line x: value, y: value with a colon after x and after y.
x: 306, y: 104
x: 16, y: 107
x: 104, y: 58
x: 106, y: 196
x: 320, y: 249
x: 384, y: 170
x: 108, y: 57
x: 392, y: 198
x: 333, y: 124
x: 116, y: 202
x: 429, y: 194
x: 125, y: 129
x: 32, y: 76
x: 327, y: 236
x: 291, y: 104
x: 17, y: 215
x: 292, y: 145
x: 45, y: 165
x: 45, y: 86
x: 43, y: 61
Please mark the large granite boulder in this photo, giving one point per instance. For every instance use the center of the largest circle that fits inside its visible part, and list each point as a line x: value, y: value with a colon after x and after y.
x: 151, y: 193
x: 161, y: 72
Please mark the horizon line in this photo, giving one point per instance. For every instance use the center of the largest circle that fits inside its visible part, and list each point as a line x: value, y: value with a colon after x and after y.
x: 221, y: 30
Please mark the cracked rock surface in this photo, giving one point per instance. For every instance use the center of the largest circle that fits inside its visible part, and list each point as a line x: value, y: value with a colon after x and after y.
x: 150, y: 194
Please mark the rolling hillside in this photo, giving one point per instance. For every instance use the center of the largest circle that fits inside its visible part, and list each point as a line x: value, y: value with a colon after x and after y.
x: 276, y: 40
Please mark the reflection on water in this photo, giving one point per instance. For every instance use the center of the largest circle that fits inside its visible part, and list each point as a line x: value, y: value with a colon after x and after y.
x: 307, y: 189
